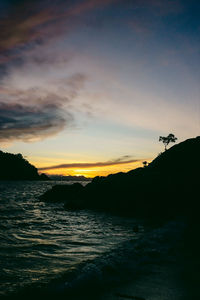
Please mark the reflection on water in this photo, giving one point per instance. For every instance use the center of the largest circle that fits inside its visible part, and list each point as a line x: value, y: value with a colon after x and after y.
x: 40, y: 240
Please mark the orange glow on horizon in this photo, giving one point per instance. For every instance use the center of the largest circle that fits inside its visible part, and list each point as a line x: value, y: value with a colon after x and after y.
x: 93, y: 172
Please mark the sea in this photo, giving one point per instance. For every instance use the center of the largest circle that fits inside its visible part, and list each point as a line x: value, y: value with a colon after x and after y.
x: 46, y: 247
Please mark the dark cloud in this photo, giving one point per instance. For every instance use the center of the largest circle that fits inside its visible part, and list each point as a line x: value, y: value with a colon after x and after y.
x: 118, y: 161
x: 29, y: 123
x: 35, y: 114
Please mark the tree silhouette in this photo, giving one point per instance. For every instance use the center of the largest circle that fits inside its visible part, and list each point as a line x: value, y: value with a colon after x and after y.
x: 145, y: 163
x: 167, y: 139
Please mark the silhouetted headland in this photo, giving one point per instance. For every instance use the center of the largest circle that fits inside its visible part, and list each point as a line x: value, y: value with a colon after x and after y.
x: 16, y: 167
x: 168, y: 187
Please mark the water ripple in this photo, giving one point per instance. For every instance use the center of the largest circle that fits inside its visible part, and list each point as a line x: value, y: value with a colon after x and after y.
x: 39, y: 240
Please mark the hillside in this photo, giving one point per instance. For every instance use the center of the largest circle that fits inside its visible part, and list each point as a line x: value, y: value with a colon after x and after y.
x: 167, y: 187
x: 15, y: 167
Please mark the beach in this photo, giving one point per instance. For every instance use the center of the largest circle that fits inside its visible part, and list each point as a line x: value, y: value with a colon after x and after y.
x: 161, y: 282
x: 175, y: 279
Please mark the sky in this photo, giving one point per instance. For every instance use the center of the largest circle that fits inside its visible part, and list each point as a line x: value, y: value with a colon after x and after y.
x: 88, y: 86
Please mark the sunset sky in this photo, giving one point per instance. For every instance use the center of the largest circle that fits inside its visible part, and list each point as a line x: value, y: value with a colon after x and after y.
x: 90, y: 85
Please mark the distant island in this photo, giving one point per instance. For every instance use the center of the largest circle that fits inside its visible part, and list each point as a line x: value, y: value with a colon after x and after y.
x: 69, y: 178
x: 167, y: 187
x: 16, y: 167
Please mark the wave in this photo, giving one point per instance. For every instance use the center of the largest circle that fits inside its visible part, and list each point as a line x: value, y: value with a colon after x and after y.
x: 114, y: 267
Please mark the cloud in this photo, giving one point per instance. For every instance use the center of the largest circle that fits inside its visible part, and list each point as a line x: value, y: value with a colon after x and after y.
x: 37, y: 113
x: 37, y: 92
x: 118, y: 161
x: 30, y: 123
x: 21, y: 24
x: 38, y: 22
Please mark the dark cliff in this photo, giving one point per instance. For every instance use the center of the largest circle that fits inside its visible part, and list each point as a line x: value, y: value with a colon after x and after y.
x: 15, y: 167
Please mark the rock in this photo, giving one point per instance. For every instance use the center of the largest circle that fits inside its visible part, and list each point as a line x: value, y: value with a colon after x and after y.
x: 59, y: 193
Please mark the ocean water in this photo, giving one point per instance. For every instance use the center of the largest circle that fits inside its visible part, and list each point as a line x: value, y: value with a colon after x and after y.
x: 41, y: 242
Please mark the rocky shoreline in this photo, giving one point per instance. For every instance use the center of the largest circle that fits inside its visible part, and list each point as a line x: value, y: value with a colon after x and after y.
x: 166, y: 188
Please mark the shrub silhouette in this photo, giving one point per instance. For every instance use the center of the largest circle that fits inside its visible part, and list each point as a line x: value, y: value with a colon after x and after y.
x: 145, y: 163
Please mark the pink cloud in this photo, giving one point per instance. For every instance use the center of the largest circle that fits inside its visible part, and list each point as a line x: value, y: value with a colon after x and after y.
x: 26, y: 25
